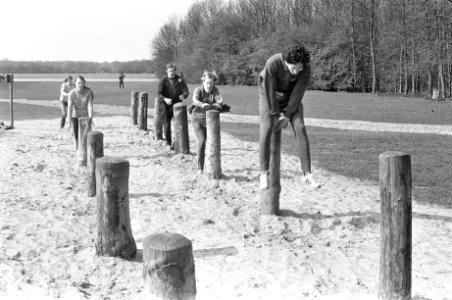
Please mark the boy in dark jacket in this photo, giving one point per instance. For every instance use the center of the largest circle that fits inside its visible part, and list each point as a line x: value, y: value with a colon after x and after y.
x: 171, y: 90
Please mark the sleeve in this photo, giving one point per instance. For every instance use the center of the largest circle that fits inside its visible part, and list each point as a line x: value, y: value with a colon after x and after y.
x: 217, y: 96
x: 197, y: 100
x: 161, y: 89
x: 63, y: 91
x: 298, y: 91
x: 185, y: 91
x: 269, y: 84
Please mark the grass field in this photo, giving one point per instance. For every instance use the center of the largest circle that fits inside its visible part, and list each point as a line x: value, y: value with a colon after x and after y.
x: 352, y: 153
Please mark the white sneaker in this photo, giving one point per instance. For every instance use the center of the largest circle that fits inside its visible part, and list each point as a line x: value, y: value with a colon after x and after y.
x: 307, y: 179
x: 263, y: 181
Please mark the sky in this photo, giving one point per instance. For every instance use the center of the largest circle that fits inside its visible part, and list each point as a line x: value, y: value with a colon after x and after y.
x: 83, y: 30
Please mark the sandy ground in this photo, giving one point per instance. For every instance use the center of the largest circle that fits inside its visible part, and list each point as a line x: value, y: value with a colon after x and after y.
x: 324, y: 246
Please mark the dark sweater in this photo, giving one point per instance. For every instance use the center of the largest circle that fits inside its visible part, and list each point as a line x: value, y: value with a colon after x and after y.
x: 282, y: 90
x: 172, y: 88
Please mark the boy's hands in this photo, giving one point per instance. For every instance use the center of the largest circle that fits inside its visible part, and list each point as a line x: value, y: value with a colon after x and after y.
x: 282, y: 122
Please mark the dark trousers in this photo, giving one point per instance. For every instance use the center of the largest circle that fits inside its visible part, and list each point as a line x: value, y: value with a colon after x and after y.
x: 167, y: 115
x: 63, y: 107
x: 199, y: 127
x: 75, y: 128
x: 299, y: 129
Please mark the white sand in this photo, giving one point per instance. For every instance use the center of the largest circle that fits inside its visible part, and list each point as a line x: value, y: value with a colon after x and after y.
x: 325, y: 246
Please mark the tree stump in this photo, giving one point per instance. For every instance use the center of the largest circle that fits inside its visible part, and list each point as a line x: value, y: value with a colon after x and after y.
x: 270, y: 196
x: 168, y: 267
x: 395, y: 228
x: 84, y: 127
x: 181, y: 144
x: 95, y: 150
x: 158, y: 122
x: 143, y: 112
x: 134, y: 107
x: 213, y: 144
x: 114, y: 234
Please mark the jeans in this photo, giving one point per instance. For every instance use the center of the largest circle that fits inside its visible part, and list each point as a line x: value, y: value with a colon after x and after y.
x: 75, y: 128
x: 167, y: 116
x: 199, y: 127
x: 63, y: 107
x: 299, y: 129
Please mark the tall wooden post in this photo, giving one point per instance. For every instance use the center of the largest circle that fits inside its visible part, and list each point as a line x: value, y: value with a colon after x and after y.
x: 213, y: 144
x: 143, y: 112
x: 270, y: 196
x: 158, y: 123
x: 95, y: 150
x: 168, y: 267
x: 10, y: 80
x: 181, y: 144
x: 134, y: 107
x: 395, y: 229
x: 84, y: 126
x: 114, y: 233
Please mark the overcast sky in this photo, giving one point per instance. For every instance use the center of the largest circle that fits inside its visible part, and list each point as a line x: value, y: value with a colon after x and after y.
x: 89, y: 30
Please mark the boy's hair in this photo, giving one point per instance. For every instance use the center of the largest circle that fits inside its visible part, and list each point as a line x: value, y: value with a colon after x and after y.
x: 208, y: 74
x: 297, y: 54
x: 171, y: 66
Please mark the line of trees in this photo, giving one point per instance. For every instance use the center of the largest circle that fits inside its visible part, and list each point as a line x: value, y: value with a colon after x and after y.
x: 135, y: 66
x: 398, y: 46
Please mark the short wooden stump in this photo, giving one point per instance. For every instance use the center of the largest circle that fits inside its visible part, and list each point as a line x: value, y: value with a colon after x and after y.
x: 168, y: 267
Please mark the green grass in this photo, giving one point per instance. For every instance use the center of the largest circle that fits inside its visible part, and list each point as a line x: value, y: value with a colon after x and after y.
x: 354, y: 153
x: 244, y: 100
x: 347, y: 152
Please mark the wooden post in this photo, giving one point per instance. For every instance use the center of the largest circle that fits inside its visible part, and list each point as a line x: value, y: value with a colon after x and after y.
x: 158, y: 122
x: 95, y: 150
x: 114, y: 234
x: 134, y: 107
x: 270, y: 196
x: 10, y: 80
x: 181, y: 144
x: 143, y: 112
x: 395, y: 229
x: 213, y: 144
x: 84, y: 126
x: 168, y: 267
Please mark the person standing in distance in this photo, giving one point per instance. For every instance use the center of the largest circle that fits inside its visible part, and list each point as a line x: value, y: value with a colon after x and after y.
x: 121, y: 80
x: 80, y: 104
x: 171, y: 90
x: 282, y: 84
x: 66, y: 87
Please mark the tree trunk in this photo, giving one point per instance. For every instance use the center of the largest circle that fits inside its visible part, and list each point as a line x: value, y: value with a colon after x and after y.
x: 372, y: 45
x: 181, y: 143
x: 134, y: 107
x: 95, y: 150
x: 270, y: 196
x: 168, y: 267
x: 143, y: 112
x: 114, y: 234
x: 213, y: 144
x: 158, y: 123
x: 395, y: 228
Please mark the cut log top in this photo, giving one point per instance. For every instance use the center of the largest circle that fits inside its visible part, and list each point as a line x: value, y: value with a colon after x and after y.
x: 166, y: 241
x: 392, y: 154
x: 112, y: 162
x: 94, y: 133
x: 179, y: 104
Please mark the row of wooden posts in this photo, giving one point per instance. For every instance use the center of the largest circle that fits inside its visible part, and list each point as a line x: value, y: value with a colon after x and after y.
x: 139, y: 116
x: 168, y: 265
